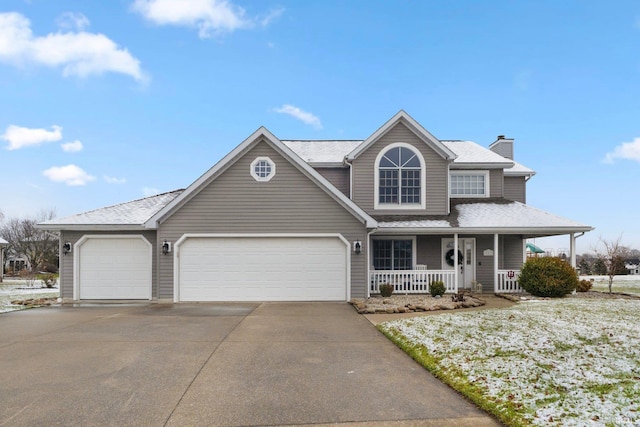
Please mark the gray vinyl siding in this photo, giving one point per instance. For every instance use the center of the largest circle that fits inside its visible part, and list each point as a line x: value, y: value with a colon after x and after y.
x: 496, y: 177
x: 235, y: 203
x: 429, y: 251
x: 511, y: 252
x: 437, y: 174
x: 515, y: 188
x: 484, y: 264
x: 66, y: 261
x: 339, y: 177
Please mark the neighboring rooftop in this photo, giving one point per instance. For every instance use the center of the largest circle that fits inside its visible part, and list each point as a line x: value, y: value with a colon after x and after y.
x: 134, y: 213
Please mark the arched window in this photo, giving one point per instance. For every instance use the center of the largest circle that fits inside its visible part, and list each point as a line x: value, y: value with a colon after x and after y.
x: 400, y: 177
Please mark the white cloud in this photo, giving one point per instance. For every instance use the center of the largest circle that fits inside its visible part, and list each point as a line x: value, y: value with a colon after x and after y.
x: 73, y: 21
x: 626, y: 150
x: 210, y: 17
x: 301, y: 115
x: 150, y: 191
x: 71, y: 175
x: 112, y: 180
x: 19, y: 137
x: 72, y: 147
x: 78, y: 53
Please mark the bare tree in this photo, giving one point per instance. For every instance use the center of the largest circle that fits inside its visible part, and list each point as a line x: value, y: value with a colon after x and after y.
x: 39, y: 247
x: 613, y: 253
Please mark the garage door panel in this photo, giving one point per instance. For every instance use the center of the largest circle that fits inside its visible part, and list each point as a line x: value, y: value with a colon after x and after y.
x: 262, y: 269
x: 114, y: 268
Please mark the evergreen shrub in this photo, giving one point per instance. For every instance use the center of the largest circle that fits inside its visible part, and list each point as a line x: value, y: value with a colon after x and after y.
x: 548, y: 277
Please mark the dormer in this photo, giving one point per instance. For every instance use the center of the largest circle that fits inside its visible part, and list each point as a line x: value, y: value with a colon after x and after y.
x: 401, y: 169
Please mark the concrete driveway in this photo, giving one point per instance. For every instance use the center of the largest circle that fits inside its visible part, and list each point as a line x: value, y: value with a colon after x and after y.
x: 214, y: 364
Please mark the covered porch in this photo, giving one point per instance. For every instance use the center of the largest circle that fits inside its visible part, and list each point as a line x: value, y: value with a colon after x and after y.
x: 485, y: 263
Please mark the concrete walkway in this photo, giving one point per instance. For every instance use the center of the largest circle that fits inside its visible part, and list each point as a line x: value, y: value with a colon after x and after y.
x: 214, y: 364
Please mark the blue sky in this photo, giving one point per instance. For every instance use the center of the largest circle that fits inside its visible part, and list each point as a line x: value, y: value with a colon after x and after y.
x: 105, y: 102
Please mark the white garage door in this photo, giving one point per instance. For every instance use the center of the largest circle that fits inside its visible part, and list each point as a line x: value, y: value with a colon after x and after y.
x: 262, y: 269
x: 114, y: 268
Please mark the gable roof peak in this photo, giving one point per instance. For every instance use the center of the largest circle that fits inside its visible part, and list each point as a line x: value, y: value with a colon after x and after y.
x: 404, y: 118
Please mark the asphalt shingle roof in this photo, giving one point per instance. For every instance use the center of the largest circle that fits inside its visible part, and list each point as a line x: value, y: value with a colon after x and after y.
x: 136, y: 212
x: 489, y: 213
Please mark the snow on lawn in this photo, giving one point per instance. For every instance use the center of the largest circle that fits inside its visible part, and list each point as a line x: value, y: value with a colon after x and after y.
x: 624, y: 284
x: 11, y: 290
x: 569, y: 362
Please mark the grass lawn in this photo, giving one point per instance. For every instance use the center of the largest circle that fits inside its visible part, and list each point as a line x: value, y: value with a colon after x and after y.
x: 623, y: 284
x: 11, y: 290
x: 566, y: 362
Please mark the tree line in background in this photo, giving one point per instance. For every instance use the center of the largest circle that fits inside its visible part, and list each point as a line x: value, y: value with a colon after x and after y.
x: 35, y: 249
x: 609, y: 261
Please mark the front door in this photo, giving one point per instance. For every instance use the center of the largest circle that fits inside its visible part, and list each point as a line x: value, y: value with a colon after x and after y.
x: 466, y: 260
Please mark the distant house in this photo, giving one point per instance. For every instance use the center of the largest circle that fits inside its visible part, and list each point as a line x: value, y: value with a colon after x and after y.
x: 322, y: 220
x: 632, y: 266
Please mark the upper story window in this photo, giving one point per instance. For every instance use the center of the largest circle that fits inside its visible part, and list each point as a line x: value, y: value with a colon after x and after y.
x: 470, y: 184
x: 263, y: 169
x: 400, y: 177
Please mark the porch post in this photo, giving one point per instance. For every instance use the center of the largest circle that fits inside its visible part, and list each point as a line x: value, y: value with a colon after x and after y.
x: 572, y: 249
x: 455, y: 262
x: 496, y: 253
x: 524, y: 251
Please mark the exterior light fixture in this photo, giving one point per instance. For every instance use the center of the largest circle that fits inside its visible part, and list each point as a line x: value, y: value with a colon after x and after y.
x: 166, y: 247
x: 357, y: 247
x: 66, y: 248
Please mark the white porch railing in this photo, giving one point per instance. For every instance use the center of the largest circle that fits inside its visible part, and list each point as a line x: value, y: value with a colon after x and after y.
x: 411, y: 281
x: 508, y: 282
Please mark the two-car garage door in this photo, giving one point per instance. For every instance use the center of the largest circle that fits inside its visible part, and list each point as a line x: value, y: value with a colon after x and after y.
x: 261, y: 268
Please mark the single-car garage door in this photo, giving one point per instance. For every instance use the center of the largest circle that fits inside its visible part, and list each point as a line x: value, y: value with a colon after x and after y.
x: 116, y: 267
x: 262, y: 269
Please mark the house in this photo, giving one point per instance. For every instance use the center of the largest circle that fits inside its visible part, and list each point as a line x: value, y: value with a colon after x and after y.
x: 307, y: 220
x: 632, y: 266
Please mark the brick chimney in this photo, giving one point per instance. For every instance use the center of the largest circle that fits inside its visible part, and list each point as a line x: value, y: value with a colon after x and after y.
x: 503, y: 146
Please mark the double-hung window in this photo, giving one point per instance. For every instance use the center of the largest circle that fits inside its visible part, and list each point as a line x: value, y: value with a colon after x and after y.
x: 399, y: 178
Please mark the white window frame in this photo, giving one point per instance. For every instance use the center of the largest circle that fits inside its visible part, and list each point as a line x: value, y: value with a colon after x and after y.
x: 263, y: 178
x: 423, y: 181
x: 485, y: 174
x: 414, y: 249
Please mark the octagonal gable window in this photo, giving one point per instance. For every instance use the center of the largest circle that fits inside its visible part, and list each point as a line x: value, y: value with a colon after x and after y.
x: 263, y: 169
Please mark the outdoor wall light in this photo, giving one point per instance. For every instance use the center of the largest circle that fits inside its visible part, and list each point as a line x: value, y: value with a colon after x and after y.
x: 166, y: 247
x: 66, y: 248
x: 357, y: 247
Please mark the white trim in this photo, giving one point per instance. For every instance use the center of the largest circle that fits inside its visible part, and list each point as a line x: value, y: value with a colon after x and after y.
x: 414, y: 248
x: 423, y: 180
x: 487, y: 187
x: 83, y: 239
x: 267, y: 178
x: 262, y: 134
x: 402, y: 117
x: 184, y: 237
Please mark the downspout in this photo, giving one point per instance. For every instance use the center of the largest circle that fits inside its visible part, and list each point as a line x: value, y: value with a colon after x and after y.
x: 348, y: 163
